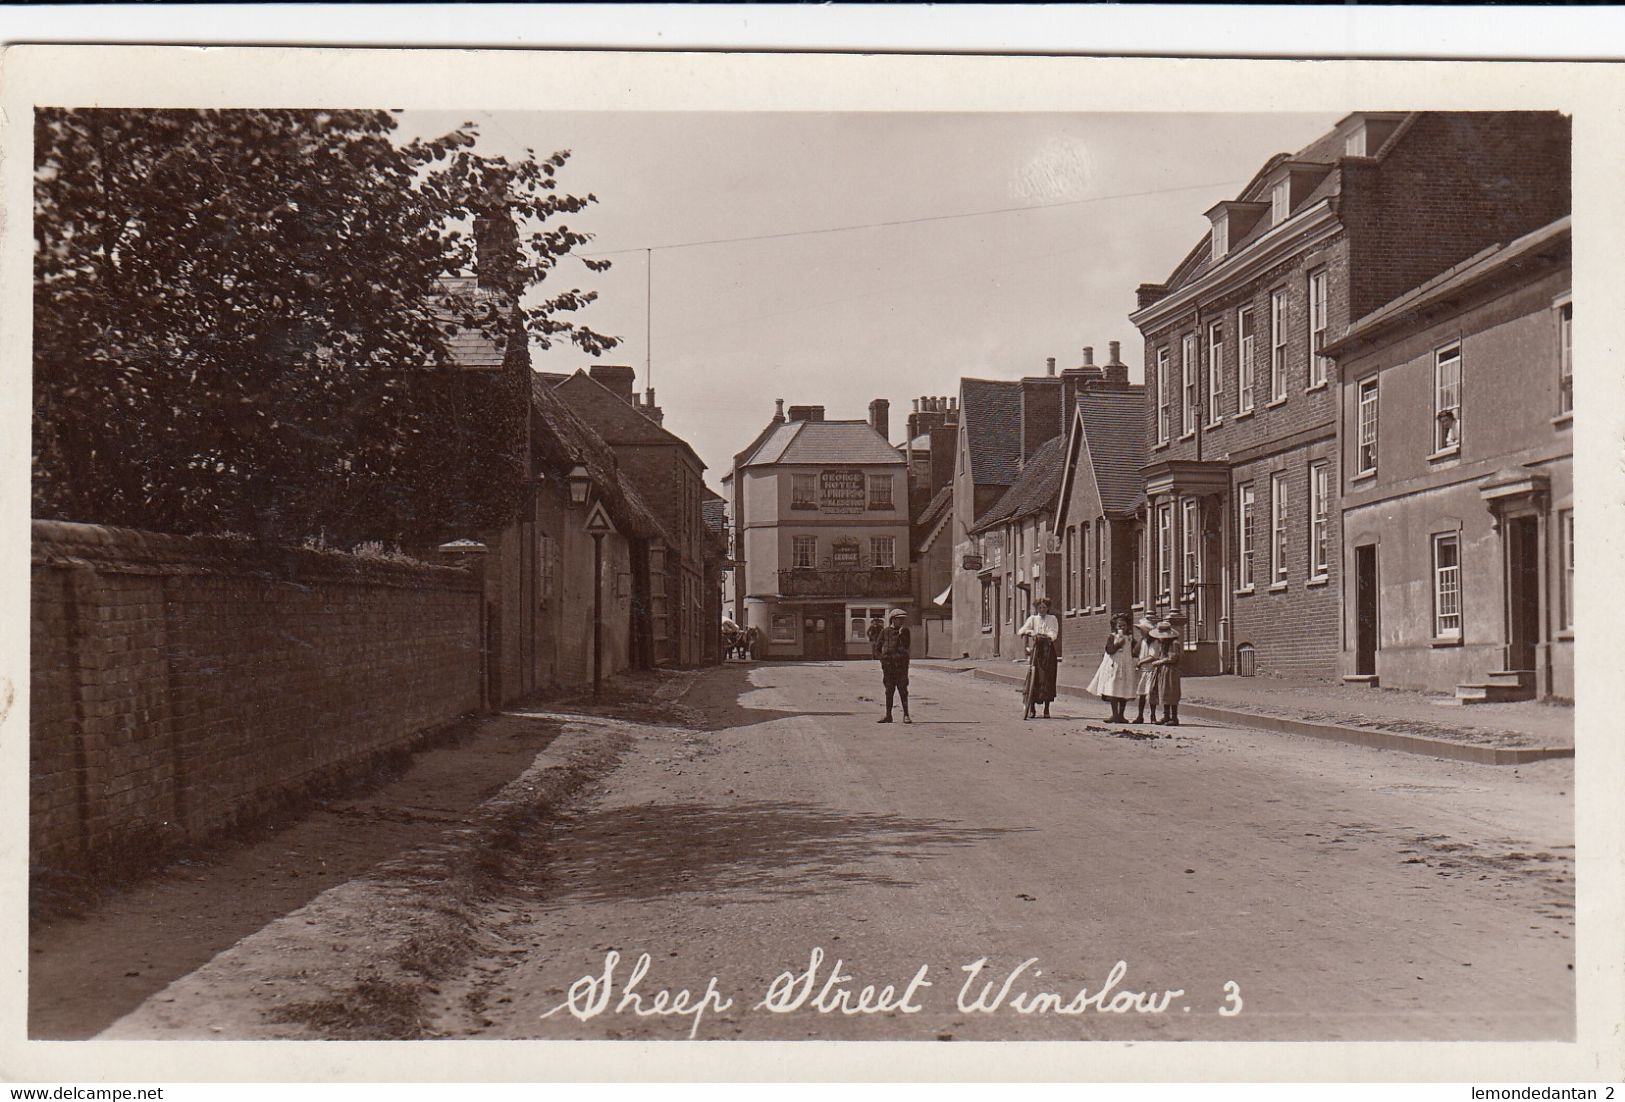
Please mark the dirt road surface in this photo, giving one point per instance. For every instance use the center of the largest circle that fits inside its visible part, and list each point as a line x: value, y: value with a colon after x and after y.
x: 1253, y: 886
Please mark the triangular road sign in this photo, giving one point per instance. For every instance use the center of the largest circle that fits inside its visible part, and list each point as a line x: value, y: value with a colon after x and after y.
x: 598, y: 523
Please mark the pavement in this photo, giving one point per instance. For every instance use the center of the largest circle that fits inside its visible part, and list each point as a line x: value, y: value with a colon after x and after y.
x: 802, y: 873
x: 1393, y: 719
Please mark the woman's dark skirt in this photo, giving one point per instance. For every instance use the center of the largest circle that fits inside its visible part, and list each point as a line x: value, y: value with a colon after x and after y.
x: 1044, y: 660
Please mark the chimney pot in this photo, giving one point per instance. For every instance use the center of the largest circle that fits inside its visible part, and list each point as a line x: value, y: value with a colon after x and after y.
x: 778, y: 412
x: 1115, y: 346
x: 916, y: 405
x: 1088, y: 355
x: 1049, y: 365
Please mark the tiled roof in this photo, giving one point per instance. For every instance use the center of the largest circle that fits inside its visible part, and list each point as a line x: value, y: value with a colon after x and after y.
x: 931, y: 517
x: 990, y: 410
x: 1034, y: 491
x: 825, y: 442
x: 564, y: 440
x: 614, y: 418
x: 1114, y: 433
x: 468, y: 346
x: 712, y: 511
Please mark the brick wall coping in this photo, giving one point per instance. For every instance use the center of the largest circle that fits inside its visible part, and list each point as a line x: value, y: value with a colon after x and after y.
x: 133, y: 551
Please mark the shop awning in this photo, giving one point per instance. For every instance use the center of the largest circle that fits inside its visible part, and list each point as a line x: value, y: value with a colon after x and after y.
x: 945, y: 597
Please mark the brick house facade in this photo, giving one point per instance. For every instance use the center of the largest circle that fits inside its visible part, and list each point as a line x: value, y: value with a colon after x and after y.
x: 1242, y: 523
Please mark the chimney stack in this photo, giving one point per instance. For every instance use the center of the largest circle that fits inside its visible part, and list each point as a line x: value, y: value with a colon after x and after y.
x: 1116, y: 371
x: 1088, y: 355
x: 806, y: 413
x: 496, y: 244
x: 1040, y: 412
x: 618, y: 379
x: 1049, y: 365
x: 880, y: 417
x: 778, y: 411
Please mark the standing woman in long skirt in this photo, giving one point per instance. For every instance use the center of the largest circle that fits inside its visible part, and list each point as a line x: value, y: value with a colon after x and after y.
x: 1042, y: 631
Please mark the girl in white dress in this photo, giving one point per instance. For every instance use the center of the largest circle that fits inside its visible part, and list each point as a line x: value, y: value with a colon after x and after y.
x: 1117, y: 679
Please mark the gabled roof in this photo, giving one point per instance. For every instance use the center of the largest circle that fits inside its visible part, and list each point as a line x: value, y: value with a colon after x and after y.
x: 615, y: 419
x: 564, y: 440
x: 825, y: 442
x: 990, y: 416
x: 1034, y: 490
x: 1107, y: 444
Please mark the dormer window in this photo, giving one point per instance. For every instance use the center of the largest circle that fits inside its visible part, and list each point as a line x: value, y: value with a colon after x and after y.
x: 1354, y: 144
x: 1280, y: 200
x: 1221, y: 238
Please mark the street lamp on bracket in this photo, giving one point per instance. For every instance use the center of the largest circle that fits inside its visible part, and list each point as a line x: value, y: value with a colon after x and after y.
x: 580, y: 481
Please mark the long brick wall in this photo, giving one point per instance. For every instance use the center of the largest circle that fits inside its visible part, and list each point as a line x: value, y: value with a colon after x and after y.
x: 181, y: 686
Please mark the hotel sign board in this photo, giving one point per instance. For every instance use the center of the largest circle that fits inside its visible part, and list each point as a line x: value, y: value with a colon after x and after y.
x: 841, y: 492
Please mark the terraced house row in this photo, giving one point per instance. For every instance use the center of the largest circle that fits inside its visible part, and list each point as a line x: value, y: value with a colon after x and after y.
x: 1351, y: 453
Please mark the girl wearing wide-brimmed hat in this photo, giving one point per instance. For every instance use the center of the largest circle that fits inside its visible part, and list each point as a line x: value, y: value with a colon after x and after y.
x: 1166, y: 690
x: 1116, y: 680
x: 1146, y: 651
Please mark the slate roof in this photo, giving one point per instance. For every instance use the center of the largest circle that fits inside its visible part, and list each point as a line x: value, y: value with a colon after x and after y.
x: 825, y: 442
x: 990, y: 410
x: 1114, y: 434
x: 1034, y: 490
x: 468, y: 347
x: 564, y: 440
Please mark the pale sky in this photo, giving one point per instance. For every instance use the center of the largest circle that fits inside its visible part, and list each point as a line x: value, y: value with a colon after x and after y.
x: 836, y: 319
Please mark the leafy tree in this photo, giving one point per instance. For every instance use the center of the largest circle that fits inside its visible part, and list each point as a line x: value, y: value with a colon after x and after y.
x: 241, y: 321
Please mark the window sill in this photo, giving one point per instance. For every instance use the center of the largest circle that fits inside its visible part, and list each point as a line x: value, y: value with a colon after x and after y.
x: 1318, y: 386
x: 1363, y: 476
x: 1445, y: 641
x: 1159, y: 447
x: 1445, y: 453
x: 1070, y: 613
x: 1278, y: 587
x: 1216, y: 424
x: 1563, y: 420
x: 1566, y: 636
x: 1100, y: 608
x: 1191, y: 435
x: 1244, y: 414
x: 1318, y: 582
x: 987, y: 631
x: 1137, y: 605
x: 1273, y: 402
x: 1244, y: 591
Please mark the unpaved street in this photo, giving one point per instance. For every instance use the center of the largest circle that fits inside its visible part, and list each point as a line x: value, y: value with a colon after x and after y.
x: 1289, y: 888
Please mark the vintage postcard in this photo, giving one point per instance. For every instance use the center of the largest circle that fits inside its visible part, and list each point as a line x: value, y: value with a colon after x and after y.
x: 1104, y: 556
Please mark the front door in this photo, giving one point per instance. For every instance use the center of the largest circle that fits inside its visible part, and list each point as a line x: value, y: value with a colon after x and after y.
x: 1523, y: 592
x: 822, y: 632
x: 1365, y: 610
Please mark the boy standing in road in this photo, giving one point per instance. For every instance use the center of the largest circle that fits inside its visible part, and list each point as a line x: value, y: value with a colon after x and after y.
x: 893, y: 650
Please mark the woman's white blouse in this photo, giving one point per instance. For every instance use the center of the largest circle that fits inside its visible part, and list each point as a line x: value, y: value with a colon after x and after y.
x: 1041, y: 625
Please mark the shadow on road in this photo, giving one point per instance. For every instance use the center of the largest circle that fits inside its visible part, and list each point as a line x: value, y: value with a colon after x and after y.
x: 768, y: 849
x: 712, y: 703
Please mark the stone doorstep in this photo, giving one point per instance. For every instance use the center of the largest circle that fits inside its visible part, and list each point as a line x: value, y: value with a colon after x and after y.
x: 1360, y: 736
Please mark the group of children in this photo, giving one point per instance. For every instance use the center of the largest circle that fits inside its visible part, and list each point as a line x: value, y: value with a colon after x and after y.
x: 1142, y: 664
